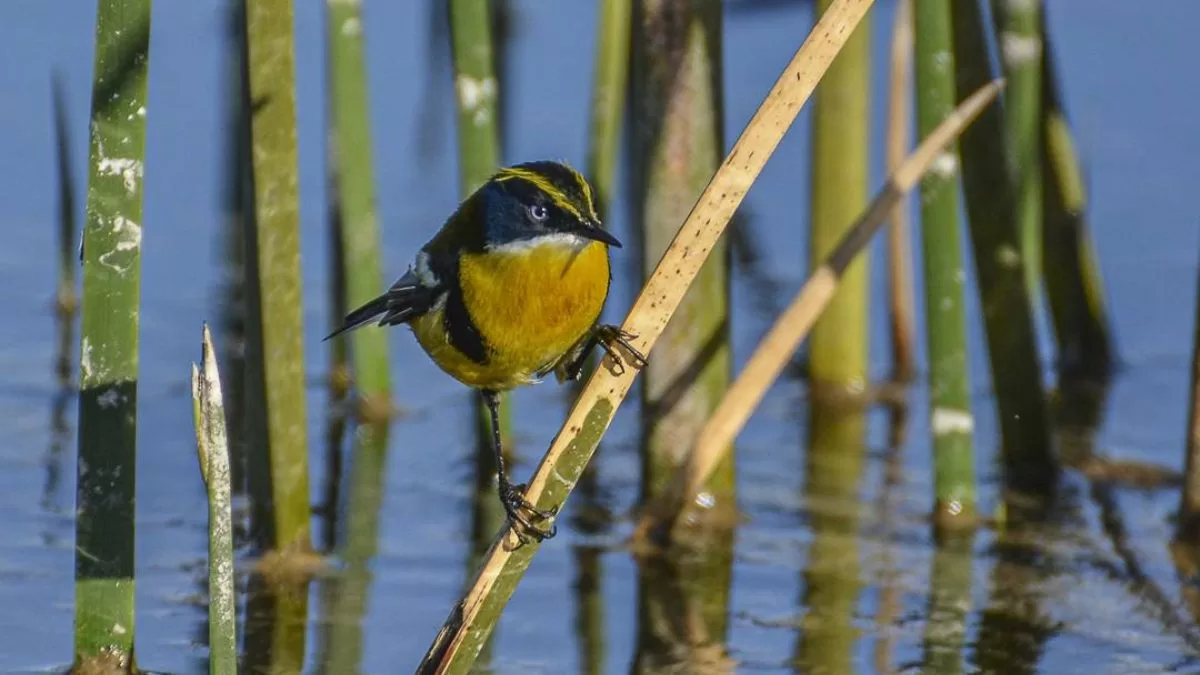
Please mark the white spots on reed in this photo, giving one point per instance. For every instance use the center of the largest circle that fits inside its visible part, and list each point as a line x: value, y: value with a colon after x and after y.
x: 129, y: 233
x: 351, y: 27
x: 1008, y: 256
x: 943, y: 60
x: 130, y: 171
x: 1020, y: 50
x: 111, y: 398
x: 128, y: 238
x: 945, y: 165
x: 475, y: 95
x: 952, y: 421
x: 85, y: 359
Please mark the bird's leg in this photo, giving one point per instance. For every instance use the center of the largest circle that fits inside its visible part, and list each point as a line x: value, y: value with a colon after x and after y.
x: 513, y: 496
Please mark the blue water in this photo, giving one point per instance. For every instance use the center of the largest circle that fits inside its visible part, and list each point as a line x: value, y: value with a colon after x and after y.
x: 1128, y: 74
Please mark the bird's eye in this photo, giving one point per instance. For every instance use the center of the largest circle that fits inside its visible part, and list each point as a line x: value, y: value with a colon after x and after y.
x: 539, y: 212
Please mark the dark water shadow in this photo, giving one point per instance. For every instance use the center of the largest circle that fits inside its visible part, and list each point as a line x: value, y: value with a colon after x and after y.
x: 66, y: 302
x: 275, y: 621
x: 345, y: 594
x: 683, y: 611
x: 888, y: 579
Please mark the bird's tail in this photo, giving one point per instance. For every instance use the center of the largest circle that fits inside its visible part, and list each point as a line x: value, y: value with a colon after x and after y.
x: 362, y: 316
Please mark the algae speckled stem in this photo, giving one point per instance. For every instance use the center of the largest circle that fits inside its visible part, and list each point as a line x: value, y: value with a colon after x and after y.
x: 1008, y: 317
x: 1073, y: 281
x: 212, y: 446
x: 476, y: 92
x: 677, y: 138
x: 108, y: 366
x: 475, y: 615
x: 356, y: 191
x: 840, y: 169
x: 271, y: 65
x: 952, y: 422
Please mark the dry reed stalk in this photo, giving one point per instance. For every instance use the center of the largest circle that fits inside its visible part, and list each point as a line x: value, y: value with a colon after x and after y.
x: 899, y: 137
x: 776, y: 349
x: 472, y: 618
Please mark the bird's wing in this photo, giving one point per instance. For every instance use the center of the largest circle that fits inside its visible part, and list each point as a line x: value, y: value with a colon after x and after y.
x: 415, y: 293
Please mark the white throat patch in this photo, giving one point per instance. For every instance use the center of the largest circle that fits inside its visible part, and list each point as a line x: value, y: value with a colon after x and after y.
x: 561, y: 239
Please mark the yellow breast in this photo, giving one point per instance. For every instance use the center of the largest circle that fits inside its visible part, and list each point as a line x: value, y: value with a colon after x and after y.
x: 530, y: 305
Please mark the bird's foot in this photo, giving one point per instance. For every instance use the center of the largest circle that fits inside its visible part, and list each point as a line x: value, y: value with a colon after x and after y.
x: 516, y: 506
x: 610, y: 337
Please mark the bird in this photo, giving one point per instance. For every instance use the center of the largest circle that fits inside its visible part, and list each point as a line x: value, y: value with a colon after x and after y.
x: 510, y: 289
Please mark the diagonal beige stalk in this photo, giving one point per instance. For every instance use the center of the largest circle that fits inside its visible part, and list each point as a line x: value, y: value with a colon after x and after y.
x: 782, y: 340
x: 474, y: 616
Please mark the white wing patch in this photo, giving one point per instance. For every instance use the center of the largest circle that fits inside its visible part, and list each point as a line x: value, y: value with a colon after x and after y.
x: 424, y: 274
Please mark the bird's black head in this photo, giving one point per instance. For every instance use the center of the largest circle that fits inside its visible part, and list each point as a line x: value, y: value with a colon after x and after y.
x: 540, y: 200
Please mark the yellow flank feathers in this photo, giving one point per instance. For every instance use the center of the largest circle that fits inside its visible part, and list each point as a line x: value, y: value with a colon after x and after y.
x: 530, y: 305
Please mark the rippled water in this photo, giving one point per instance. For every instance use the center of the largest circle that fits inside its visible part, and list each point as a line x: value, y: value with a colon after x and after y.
x: 1095, y: 590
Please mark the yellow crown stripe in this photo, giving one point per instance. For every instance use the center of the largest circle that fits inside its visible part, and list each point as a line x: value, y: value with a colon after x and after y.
x: 556, y: 195
x: 589, y: 200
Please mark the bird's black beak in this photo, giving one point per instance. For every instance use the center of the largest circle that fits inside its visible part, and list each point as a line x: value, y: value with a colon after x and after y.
x: 592, y: 230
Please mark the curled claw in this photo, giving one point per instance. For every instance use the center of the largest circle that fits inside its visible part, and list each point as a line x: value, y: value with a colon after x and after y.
x: 516, y: 506
x: 609, y: 337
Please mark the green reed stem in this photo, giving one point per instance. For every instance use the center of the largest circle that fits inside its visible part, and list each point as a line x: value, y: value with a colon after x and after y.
x: 212, y: 446
x: 1019, y: 37
x: 609, y: 88
x: 993, y: 205
x: 1074, y: 283
x: 840, y: 171
x: 276, y: 246
x: 476, y: 92
x: 355, y: 181
x: 945, y: 318
x: 108, y: 372
x: 677, y: 145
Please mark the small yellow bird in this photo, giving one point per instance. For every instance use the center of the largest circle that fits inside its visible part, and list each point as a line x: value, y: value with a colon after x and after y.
x: 508, y: 290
